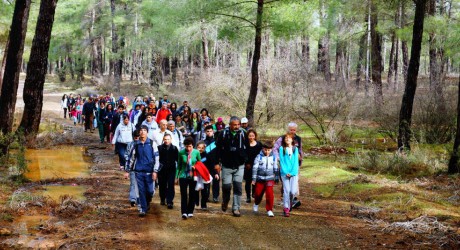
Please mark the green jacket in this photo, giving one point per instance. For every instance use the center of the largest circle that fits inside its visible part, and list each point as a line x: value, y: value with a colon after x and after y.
x: 181, y: 171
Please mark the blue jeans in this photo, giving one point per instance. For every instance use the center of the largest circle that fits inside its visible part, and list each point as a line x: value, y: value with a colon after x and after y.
x: 145, y: 187
x: 120, y: 148
x: 133, y: 190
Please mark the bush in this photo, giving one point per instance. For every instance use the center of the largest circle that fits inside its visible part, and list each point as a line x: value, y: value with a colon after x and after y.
x: 414, y: 164
x: 14, y: 159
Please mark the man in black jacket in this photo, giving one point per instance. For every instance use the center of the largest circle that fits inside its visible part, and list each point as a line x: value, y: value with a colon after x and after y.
x: 231, y: 151
x: 88, y: 113
x: 168, y: 154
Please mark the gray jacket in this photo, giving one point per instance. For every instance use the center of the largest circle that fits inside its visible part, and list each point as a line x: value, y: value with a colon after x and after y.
x: 265, y: 168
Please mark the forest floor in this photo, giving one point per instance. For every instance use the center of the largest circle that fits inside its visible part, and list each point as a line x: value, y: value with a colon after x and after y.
x: 105, y: 219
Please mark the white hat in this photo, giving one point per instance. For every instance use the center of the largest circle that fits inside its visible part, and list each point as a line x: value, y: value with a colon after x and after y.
x: 244, y: 120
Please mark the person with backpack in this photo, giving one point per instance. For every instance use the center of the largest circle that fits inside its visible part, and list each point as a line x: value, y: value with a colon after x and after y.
x: 142, y: 160
x: 121, y: 138
x: 297, y: 141
x: 151, y: 124
x: 211, y: 155
x: 231, y: 150
x: 289, y: 168
x: 101, y: 118
x: 88, y: 114
x: 265, y: 174
x: 188, y: 157
x: 166, y: 171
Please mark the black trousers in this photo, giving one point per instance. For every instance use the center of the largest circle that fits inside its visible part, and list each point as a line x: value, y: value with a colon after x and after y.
x: 204, y: 196
x: 166, y: 186
x: 187, y: 195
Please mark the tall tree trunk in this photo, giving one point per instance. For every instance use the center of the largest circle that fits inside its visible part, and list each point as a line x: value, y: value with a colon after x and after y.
x: 2, y: 66
x: 96, y: 47
x: 10, y: 83
x: 404, y: 47
x: 359, y: 65
x: 174, y: 66
x: 204, y: 44
x: 118, y: 59
x: 376, y: 59
x: 435, y: 64
x: 405, y: 115
x: 186, y: 68
x: 392, y: 60
x: 255, y: 64
x: 166, y: 66
x: 154, y: 78
x: 340, y: 64
x: 454, y: 162
x: 306, y: 52
x: 36, y: 70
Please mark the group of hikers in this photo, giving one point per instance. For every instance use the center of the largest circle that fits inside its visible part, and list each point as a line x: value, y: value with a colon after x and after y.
x: 161, y: 144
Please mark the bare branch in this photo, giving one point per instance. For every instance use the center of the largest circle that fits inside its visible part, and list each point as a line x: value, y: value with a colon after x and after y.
x: 233, y: 16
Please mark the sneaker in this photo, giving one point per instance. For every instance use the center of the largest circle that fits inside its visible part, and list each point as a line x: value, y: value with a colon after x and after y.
x: 133, y: 203
x: 215, y: 200
x: 236, y: 213
x: 184, y: 216
x: 224, y: 206
x: 248, y: 200
x: 286, y: 212
x: 204, y: 208
x: 296, y: 203
x: 270, y: 213
x: 255, y: 208
x: 141, y: 214
x: 170, y: 206
x: 163, y: 203
x: 189, y: 215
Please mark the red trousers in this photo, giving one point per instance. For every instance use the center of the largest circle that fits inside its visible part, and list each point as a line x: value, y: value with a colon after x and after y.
x: 267, y: 188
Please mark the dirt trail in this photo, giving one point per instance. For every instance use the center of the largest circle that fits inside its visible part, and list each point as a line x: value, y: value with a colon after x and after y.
x: 317, y: 224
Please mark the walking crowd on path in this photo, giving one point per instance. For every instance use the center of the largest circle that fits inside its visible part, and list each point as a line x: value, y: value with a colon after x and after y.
x: 162, y: 145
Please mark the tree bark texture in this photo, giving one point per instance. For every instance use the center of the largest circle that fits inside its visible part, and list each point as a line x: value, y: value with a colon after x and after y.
x: 454, y: 162
x: 204, y: 44
x: 405, y: 115
x: 118, y: 59
x: 174, y: 66
x: 250, y: 107
x: 376, y: 59
x: 36, y: 70
x: 2, y: 66
x: 10, y: 83
x: 404, y: 47
x: 436, y: 61
x: 306, y: 52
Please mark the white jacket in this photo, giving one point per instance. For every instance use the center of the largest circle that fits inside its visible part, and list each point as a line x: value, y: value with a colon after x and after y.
x: 123, y: 133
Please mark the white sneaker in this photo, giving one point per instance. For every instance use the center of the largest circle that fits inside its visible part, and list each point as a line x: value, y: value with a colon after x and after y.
x: 184, y: 216
x: 255, y: 208
x: 189, y: 215
x: 270, y: 214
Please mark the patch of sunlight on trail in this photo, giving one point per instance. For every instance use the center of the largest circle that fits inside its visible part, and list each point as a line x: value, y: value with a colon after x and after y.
x: 63, y: 162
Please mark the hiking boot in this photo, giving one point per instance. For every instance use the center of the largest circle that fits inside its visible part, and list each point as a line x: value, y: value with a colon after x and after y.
x: 248, y: 200
x: 236, y: 213
x: 184, y: 216
x: 133, y: 203
x: 163, y: 203
x: 255, y: 208
x: 286, y: 212
x: 170, y: 206
x: 224, y: 206
x: 296, y: 203
x: 270, y: 213
x: 141, y: 214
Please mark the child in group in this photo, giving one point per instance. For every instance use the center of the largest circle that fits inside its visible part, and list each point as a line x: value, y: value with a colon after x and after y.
x: 73, y: 115
x: 289, y: 165
x: 264, y: 175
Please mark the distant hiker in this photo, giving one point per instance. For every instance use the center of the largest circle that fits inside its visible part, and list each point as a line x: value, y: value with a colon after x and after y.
x: 289, y: 166
x: 212, y: 160
x: 79, y: 108
x: 265, y: 174
x: 117, y: 119
x: 174, y: 110
x: 163, y: 112
x: 133, y: 190
x: 64, y: 104
x: 292, y: 130
x: 107, y: 121
x: 252, y: 150
x: 141, y: 160
x: 220, y: 125
x: 73, y: 115
x: 166, y: 171
x: 231, y: 150
x: 181, y: 108
x: 88, y: 114
x: 185, y: 166
x: 158, y: 134
x: 121, y: 138
x: 245, y: 124
x: 101, y: 117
